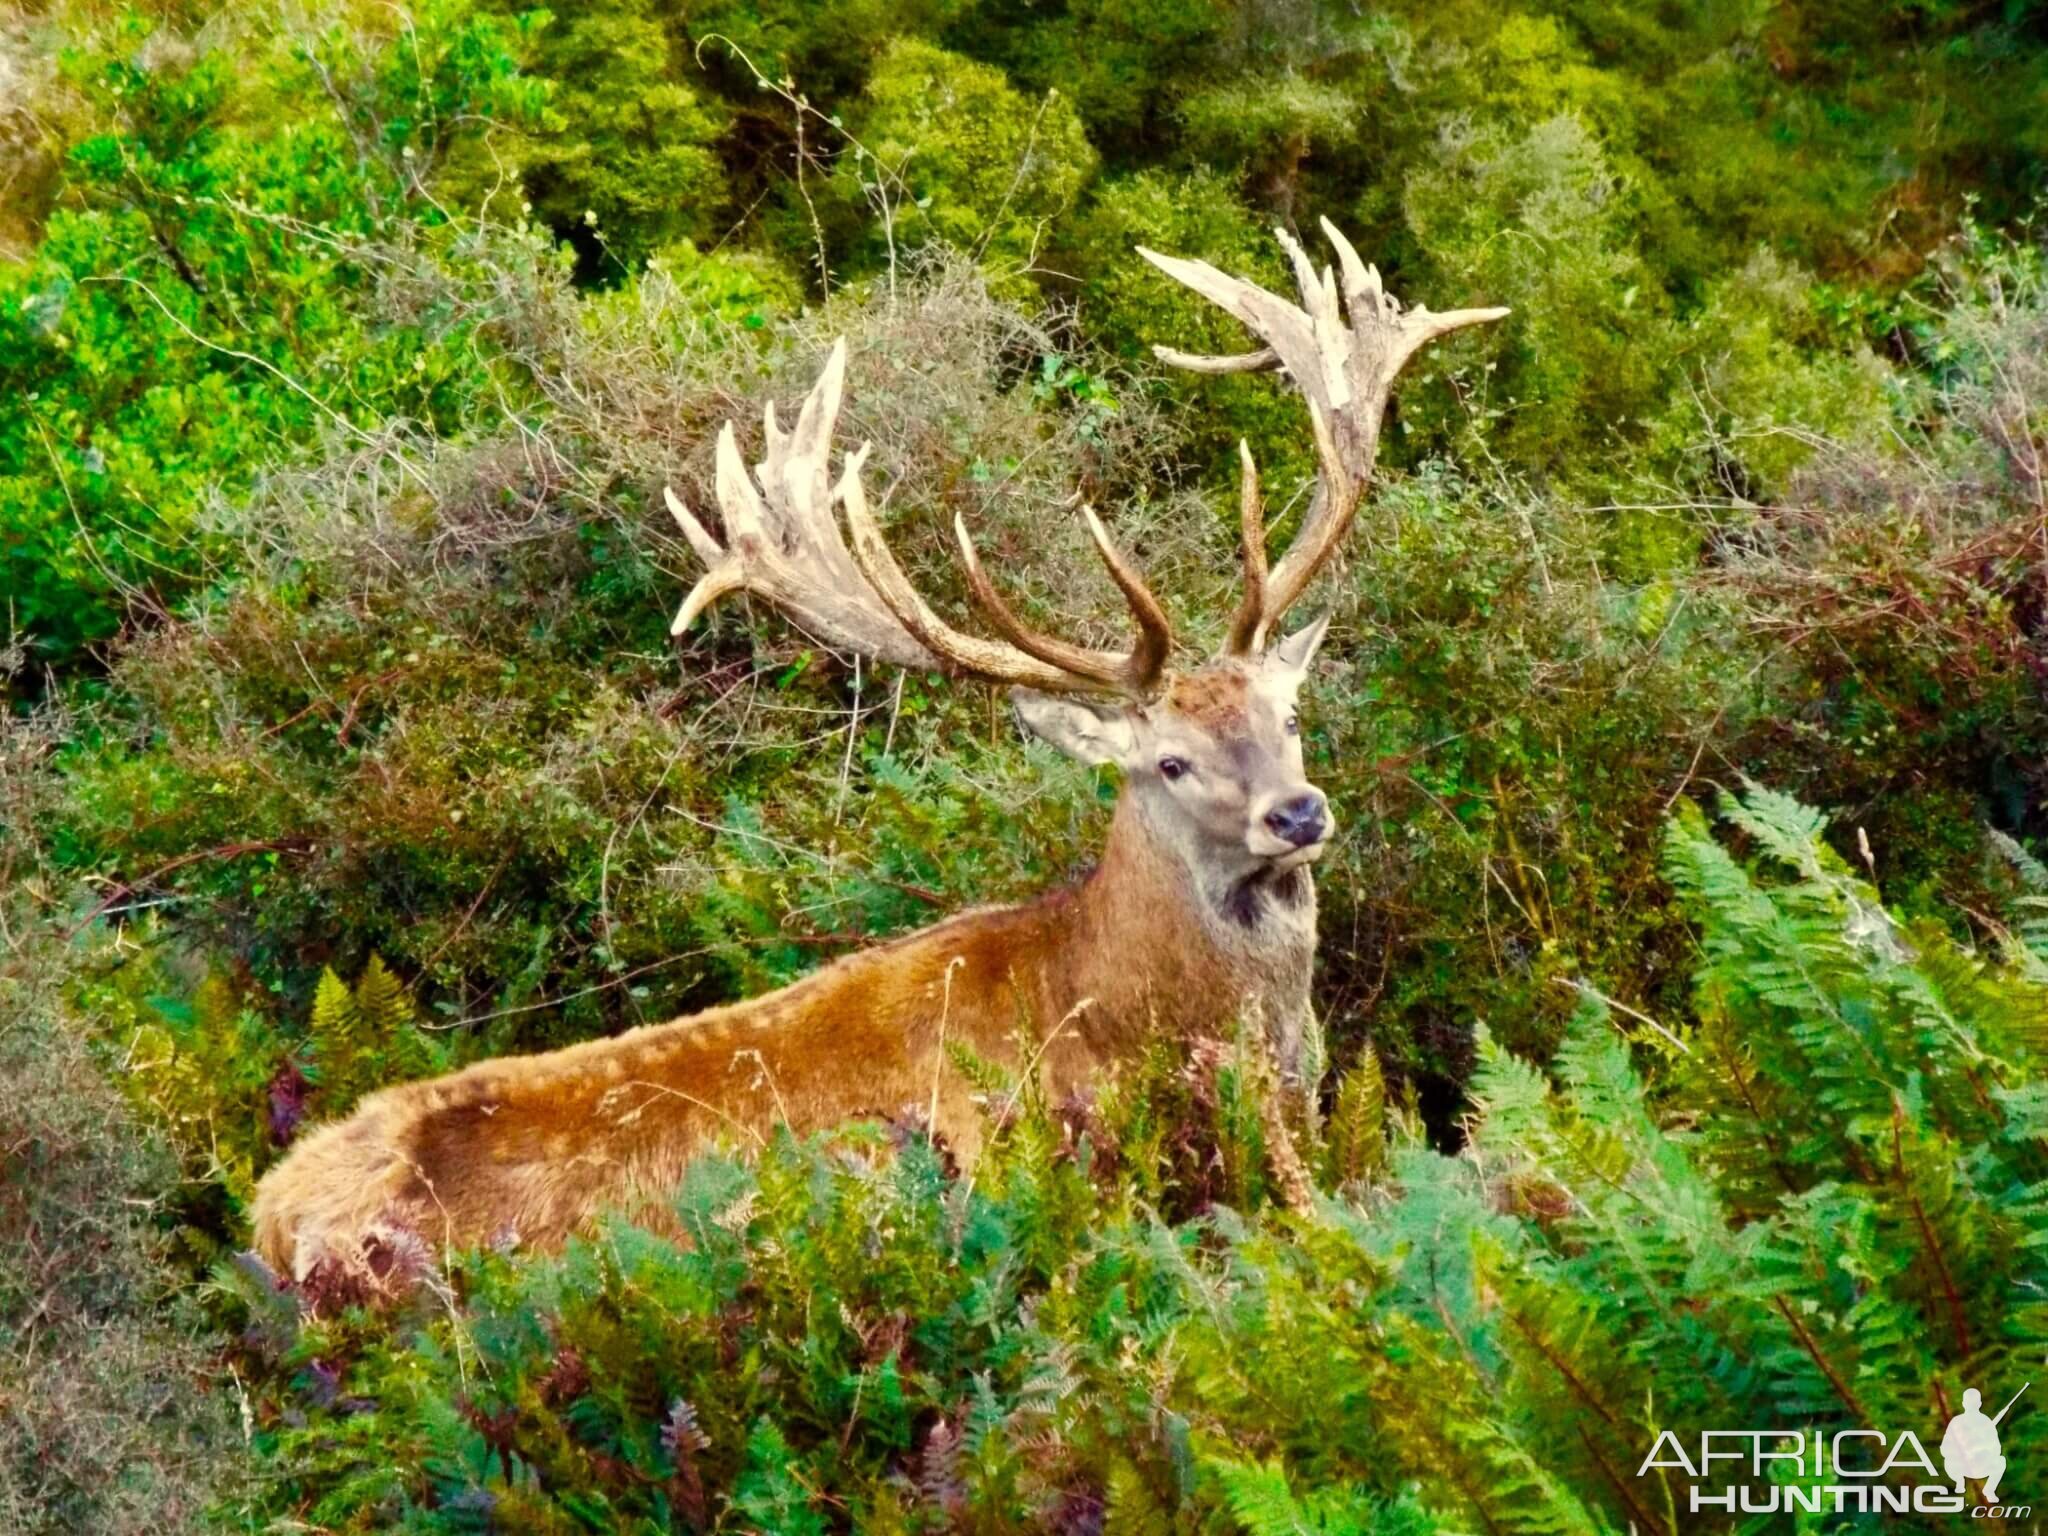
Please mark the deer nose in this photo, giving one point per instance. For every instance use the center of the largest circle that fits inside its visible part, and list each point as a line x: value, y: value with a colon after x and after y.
x: 1299, y: 821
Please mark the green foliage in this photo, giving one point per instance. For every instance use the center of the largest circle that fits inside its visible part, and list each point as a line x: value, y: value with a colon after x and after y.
x: 1125, y: 65
x: 828, y: 50
x: 199, y: 1069
x: 350, y: 360
x: 1823, y: 1210
x: 1847, y: 1217
x: 1506, y: 736
x: 1131, y: 306
x: 1356, y: 1137
x: 959, y: 155
x: 1499, y: 213
x: 1263, y: 1505
x: 1250, y: 122
x: 196, y: 307
x: 934, y: 844
x: 625, y: 164
x: 744, y: 288
x: 916, y: 1349
x: 398, y: 745
x: 1760, y: 336
x: 357, y: 1041
x: 443, y: 731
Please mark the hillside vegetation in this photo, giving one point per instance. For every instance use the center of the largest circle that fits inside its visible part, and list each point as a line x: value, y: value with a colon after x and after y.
x: 1682, y: 964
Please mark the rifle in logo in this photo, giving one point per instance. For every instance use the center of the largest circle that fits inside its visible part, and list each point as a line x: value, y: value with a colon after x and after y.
x: 1969, y: 1446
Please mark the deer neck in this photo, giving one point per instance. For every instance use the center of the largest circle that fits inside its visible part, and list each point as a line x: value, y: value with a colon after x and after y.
x: 1162, y: 942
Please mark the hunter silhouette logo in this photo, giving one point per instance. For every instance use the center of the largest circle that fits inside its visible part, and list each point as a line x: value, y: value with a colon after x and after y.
x: 1852, y: 1471
x: 1969, y: 1446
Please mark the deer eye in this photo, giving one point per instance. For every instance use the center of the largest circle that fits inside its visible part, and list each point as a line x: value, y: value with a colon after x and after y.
x: 1171, y: 768
x: 1293, y: 725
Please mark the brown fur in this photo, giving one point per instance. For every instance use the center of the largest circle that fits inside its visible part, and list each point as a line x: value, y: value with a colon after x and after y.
x: 1217, y: 699
x: 525, y: 1148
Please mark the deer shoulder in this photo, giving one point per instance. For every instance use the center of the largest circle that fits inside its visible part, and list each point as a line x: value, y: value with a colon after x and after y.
x: 1200, y: 912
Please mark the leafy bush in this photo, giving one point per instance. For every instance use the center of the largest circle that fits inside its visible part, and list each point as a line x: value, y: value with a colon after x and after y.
x: 197, y: 302
x: 352, y: 359
x: 624, y: 164
x: 958, y: 155
x: 1823, y: 1213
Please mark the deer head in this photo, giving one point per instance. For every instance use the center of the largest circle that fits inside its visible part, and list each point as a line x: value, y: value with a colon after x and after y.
x: 1213, y: 765
x: 1212, y: 757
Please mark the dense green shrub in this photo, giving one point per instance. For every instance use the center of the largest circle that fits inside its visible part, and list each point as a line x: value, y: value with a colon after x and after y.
x: 946, y: 149
x: 1125, y: 66
x: 196, y: 306
x: 623, y: 163
x: 1824, y: 1213
x: 1130, y: 306
x: 351, y: 361
x: 1501, y: 211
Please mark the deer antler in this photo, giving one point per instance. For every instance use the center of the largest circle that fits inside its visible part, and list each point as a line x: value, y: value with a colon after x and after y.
x: 1346, y: 371
x: 782, y: 541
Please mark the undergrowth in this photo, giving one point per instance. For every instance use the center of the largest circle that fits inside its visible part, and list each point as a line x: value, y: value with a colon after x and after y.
x: 1823, y: 1208
x: 348, y: 353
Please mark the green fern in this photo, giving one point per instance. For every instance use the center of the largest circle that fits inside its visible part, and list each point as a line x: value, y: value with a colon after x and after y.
x: 1264, y: 1505
x: 362, y: 1039
x: 1823, y: 1205
x: 1355, y: 1140
x: 1129, y: 1506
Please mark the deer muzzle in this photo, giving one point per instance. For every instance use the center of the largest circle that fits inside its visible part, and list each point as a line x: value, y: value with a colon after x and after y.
x: 1291, y: 827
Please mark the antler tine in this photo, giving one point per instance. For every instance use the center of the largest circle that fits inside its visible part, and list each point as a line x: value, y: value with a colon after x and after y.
x: 1135, y: 672
x: 1023, y: 656
x: 782, y: 542
x: 1345, y: 373
x: 1247, y: 629
x: 948, y: 648
x: 1260, y: 361
x: 1373, y: 309
x: 1146, y: 661
x: 1290, y: 341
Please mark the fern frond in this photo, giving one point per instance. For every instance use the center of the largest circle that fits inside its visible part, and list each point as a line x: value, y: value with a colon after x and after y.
x: 1355, y: 1139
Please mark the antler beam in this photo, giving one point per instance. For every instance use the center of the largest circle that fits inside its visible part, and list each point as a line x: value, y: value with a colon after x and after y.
x: 783, y: 543
x: 1344, y: 359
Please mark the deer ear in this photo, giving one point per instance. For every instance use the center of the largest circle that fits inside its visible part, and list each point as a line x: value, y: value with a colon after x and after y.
x: 1299, y: 649
x: 1093, y: 733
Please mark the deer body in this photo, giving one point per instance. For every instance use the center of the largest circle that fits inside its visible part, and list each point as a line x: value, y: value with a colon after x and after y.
x: 526, y: 1147
x: 1200, y: 915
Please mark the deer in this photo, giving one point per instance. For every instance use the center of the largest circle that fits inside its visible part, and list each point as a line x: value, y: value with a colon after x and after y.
x: 1198, y: 918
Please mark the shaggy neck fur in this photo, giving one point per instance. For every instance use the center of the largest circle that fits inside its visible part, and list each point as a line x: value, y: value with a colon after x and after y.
x: 1213, y: 950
